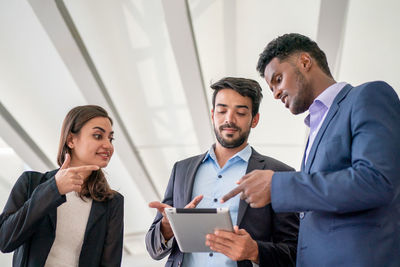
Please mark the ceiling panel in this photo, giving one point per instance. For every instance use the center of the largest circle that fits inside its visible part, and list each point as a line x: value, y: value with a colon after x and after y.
x: 129, y: 44
x: 35, y: 87
x: 230, y: 34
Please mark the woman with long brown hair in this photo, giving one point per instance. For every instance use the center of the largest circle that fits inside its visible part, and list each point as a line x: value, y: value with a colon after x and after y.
x: 69, y: 216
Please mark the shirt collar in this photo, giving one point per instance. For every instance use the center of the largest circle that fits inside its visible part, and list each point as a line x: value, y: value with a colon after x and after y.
x: 328, y: 95
x: 244, y: 154
x: 324, y: 100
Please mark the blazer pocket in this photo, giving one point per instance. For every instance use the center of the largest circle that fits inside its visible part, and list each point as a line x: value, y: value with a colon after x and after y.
x: 347, y: 225
x: 356, y: 219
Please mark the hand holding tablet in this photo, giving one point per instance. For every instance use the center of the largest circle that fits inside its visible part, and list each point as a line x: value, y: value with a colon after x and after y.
x: 190, y: 226
x: 166, y: 229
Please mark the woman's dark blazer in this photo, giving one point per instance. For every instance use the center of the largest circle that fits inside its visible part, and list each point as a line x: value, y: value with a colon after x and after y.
x: 29, y: 219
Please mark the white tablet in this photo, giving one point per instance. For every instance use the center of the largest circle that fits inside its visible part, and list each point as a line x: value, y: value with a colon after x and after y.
x: 190, y: 226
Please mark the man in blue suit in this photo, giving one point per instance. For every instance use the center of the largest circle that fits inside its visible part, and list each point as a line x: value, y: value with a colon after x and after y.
x: 348, y: 189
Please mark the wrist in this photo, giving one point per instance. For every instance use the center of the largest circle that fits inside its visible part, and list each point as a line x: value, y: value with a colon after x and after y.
x: 59, y: 187
x: 254, y: 256
x: 166, y: 230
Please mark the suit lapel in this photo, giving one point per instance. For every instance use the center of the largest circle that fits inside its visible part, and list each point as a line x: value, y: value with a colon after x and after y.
x: 191, y: 174
x: 256, y: 162
x: 331, y: 114
x: 97, y: 211
x: 53, y: 213
x: 303, y: 161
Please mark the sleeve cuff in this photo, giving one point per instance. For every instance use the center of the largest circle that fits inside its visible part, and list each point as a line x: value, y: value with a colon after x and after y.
x: 166, y: 244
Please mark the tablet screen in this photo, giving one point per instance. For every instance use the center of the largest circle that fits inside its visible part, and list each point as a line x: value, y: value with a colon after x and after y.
x: 190, y: 226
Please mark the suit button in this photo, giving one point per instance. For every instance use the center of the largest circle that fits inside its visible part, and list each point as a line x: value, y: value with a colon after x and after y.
x: 301, y: 215
x: 211, y: 254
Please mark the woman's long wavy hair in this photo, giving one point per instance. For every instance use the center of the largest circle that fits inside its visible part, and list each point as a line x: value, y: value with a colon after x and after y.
x: 96, y: 185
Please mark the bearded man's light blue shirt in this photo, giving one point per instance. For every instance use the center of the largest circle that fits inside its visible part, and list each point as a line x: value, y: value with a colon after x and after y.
x: 213, y: 182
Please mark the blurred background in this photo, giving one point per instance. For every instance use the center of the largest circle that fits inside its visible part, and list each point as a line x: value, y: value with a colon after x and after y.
x: 150, y: 64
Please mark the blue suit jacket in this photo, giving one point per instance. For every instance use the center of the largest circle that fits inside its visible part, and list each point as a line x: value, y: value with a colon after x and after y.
x: 275, y: 234
x: 348, y: 190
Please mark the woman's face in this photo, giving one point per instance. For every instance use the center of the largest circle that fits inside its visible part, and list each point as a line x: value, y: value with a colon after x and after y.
x: 93, y: 144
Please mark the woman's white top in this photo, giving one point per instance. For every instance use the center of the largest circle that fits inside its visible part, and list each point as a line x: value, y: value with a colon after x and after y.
x: 72, y: 218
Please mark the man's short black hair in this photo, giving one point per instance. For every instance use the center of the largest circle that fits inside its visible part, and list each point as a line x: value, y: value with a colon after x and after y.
x: 287, y: 45
x: 245, y: 87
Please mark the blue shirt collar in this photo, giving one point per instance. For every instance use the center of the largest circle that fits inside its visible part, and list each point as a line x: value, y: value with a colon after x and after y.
x: 244, y: 154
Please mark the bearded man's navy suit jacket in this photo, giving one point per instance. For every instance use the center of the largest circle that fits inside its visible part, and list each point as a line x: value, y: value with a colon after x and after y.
x: 275, y: 234
x: 348, y: 191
